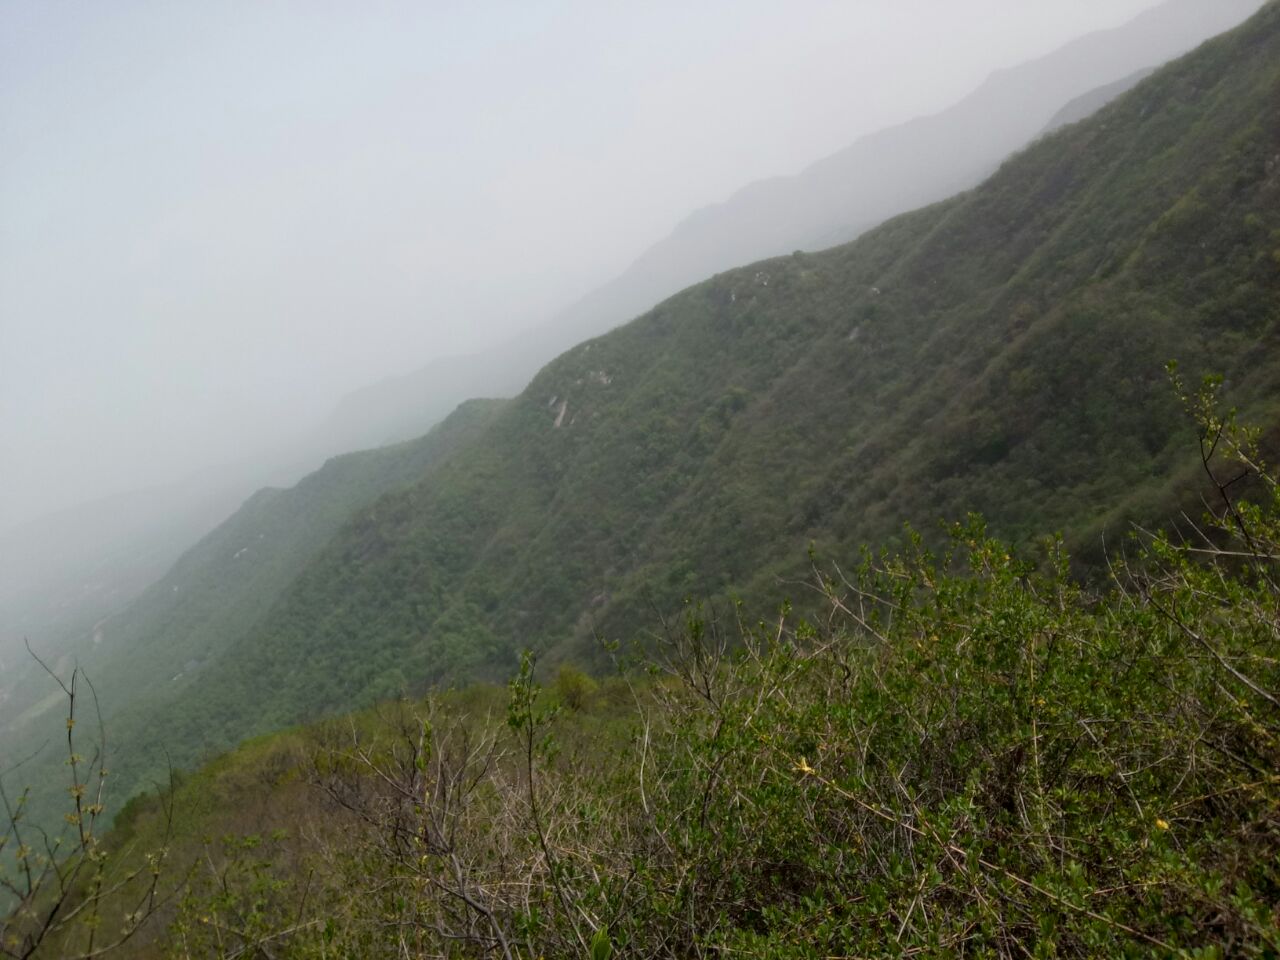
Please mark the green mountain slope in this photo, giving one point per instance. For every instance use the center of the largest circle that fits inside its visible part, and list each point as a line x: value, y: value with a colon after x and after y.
x: 962, y: 756
x: 219, y: 589
x: 1002, y: 352
x: 1087, y: 104
x: 831, y: 201
x: 159, y: 648
x: 61, y: 575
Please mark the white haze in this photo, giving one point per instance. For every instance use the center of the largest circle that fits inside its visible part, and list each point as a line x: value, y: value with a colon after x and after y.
x: 217, y: 218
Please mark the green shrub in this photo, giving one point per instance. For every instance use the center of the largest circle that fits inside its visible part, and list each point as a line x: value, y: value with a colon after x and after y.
x: 573, y: 688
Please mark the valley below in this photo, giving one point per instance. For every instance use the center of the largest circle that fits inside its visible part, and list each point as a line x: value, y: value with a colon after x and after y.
x: 915, y: 592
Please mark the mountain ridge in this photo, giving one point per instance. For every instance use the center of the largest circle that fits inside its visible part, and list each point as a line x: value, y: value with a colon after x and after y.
x: 831, y: 200
x: 221, y: 585
x: 405, y: 407
x: 1001, y: 351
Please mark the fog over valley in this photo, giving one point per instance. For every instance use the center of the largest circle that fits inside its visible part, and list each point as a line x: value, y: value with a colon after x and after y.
x: 220, y: 219
x: 742, y: 478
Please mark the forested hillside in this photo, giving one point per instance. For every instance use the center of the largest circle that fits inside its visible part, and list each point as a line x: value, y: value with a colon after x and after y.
x: 831, y: 201
x: 159, y: 648
x: 1002, y: 352
x: 962, y: 755
x: 62, y: 577
x: 931, y: 610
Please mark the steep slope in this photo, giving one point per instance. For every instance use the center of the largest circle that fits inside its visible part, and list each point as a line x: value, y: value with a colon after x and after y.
x: 157, y: 647
x: 1000, y: 352
x: 1024, y: 742
x: 830, y: 202
x: 84, y: 579
x: 1087, y: 104
x: 62, y: 575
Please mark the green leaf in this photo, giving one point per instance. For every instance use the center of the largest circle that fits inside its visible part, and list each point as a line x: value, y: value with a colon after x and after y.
x: 601, y: 947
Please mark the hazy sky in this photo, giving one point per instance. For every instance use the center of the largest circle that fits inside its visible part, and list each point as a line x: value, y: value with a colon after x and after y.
x: 218, y: 217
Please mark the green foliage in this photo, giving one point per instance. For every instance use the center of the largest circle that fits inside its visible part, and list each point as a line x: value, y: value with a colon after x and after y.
x: 573, y: 687
x: 969, y: 754
x: 162, y: 647
x: 601, y: 947
x: 62, y: 892
x: 954, y: 749
x: 998, y: 353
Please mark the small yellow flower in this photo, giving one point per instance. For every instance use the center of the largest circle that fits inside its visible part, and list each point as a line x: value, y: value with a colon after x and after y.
x: 803, y: 767
x: 1162, y: 824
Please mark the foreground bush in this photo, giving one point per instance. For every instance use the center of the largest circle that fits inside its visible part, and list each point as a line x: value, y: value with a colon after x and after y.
x: 964, y: 754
